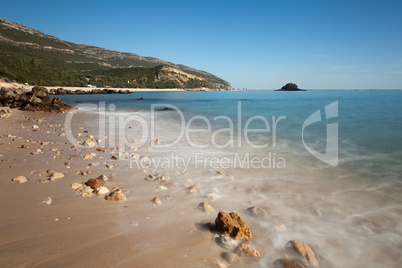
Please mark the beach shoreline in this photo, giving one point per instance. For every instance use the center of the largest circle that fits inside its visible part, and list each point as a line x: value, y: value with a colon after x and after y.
x: 161, y: 224
x: 72, y: 230
x: 88, y: 89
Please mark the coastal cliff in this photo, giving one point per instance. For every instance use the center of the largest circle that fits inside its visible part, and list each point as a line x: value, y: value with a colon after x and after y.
x: 30, y: 56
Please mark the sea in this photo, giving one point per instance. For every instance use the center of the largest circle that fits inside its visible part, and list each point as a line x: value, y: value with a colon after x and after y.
x: 322, y: 167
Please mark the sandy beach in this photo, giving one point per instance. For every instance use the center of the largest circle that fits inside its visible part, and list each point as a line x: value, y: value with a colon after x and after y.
x: 72, y: 230
x: 28, y: 87
x: 169, y: 216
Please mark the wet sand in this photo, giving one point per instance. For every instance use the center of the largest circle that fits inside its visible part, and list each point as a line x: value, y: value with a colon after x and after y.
x: 72, y: 231
x: 88, y: 231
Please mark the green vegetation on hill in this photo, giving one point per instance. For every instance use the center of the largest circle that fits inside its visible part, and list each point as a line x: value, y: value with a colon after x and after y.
x: 27, y: 55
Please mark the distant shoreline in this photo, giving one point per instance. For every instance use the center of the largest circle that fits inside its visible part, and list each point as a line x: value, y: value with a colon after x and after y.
x: 29, y: 87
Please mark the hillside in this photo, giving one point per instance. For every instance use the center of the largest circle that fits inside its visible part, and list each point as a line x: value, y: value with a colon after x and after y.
x: 30, y: 55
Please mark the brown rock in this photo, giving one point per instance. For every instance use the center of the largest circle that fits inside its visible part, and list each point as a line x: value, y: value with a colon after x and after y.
x: 286, y: 263
x: 192, y: 189
x: 232, y: 225
x: 116, y: 195
x: 304, y: 251
x: 94, y: 183
x: 150, y: 178
x: 245, y: 250
x: 157, y: 201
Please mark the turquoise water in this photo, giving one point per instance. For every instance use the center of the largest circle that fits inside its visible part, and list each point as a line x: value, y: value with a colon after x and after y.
x: 369, y: 122
x: 341, y: 196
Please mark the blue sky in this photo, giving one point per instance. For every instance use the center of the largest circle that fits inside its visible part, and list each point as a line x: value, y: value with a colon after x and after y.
x: 317, y: 44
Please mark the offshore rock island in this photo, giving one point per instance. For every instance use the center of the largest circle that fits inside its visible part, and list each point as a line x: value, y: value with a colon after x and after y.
x: 32, y: 57
x: 290, y: 87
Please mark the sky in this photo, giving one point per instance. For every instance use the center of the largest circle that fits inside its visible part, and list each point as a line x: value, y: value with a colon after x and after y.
x: 317, y: 44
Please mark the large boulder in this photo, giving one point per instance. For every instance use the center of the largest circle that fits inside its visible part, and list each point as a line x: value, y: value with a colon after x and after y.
x: 35, y: 100
x: 232, y: 225
x: 40, y: 92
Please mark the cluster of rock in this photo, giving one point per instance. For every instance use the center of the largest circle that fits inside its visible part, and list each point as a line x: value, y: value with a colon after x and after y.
x: 235, y: 236
x: 95, y: 186
x: 62, y: 91
x: 35, y: 100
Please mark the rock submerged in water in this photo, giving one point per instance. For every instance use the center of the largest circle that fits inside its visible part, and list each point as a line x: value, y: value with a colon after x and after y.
x: 232, y: 225
x: 205, y: 207
x: 116, y: 195
x: 230, y: 257
x: 287, y: 263
x: 258, y: 212
x: 226, y: 242
x: 304, y: 251
x: 245, y: 250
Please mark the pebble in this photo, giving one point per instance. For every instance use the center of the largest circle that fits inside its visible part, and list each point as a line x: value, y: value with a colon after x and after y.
x: 56, y: 176
x: 213, y: 196
x: 20, y: 179
x: 150, y: 178
x: 206, y: 207
x: 280, y: 227
x: 94, y: 183
x: 116, y: 195
x: 103, y: 178
x: 161, y: 188
x: 226, y: 242
x: 76, y: 185
x: 245, y: 249
x: 157, y: 200
x: 35, y: 127
x: 87, y: 156
x: 192, y: 189
x: 102, y: 190
x: 37, y: 151
x: 230, y: 257
x: 48, y: 201
x: 287, y: 263
x: 258, y: 212
x: 304, y: 251
x: 109, y: 166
